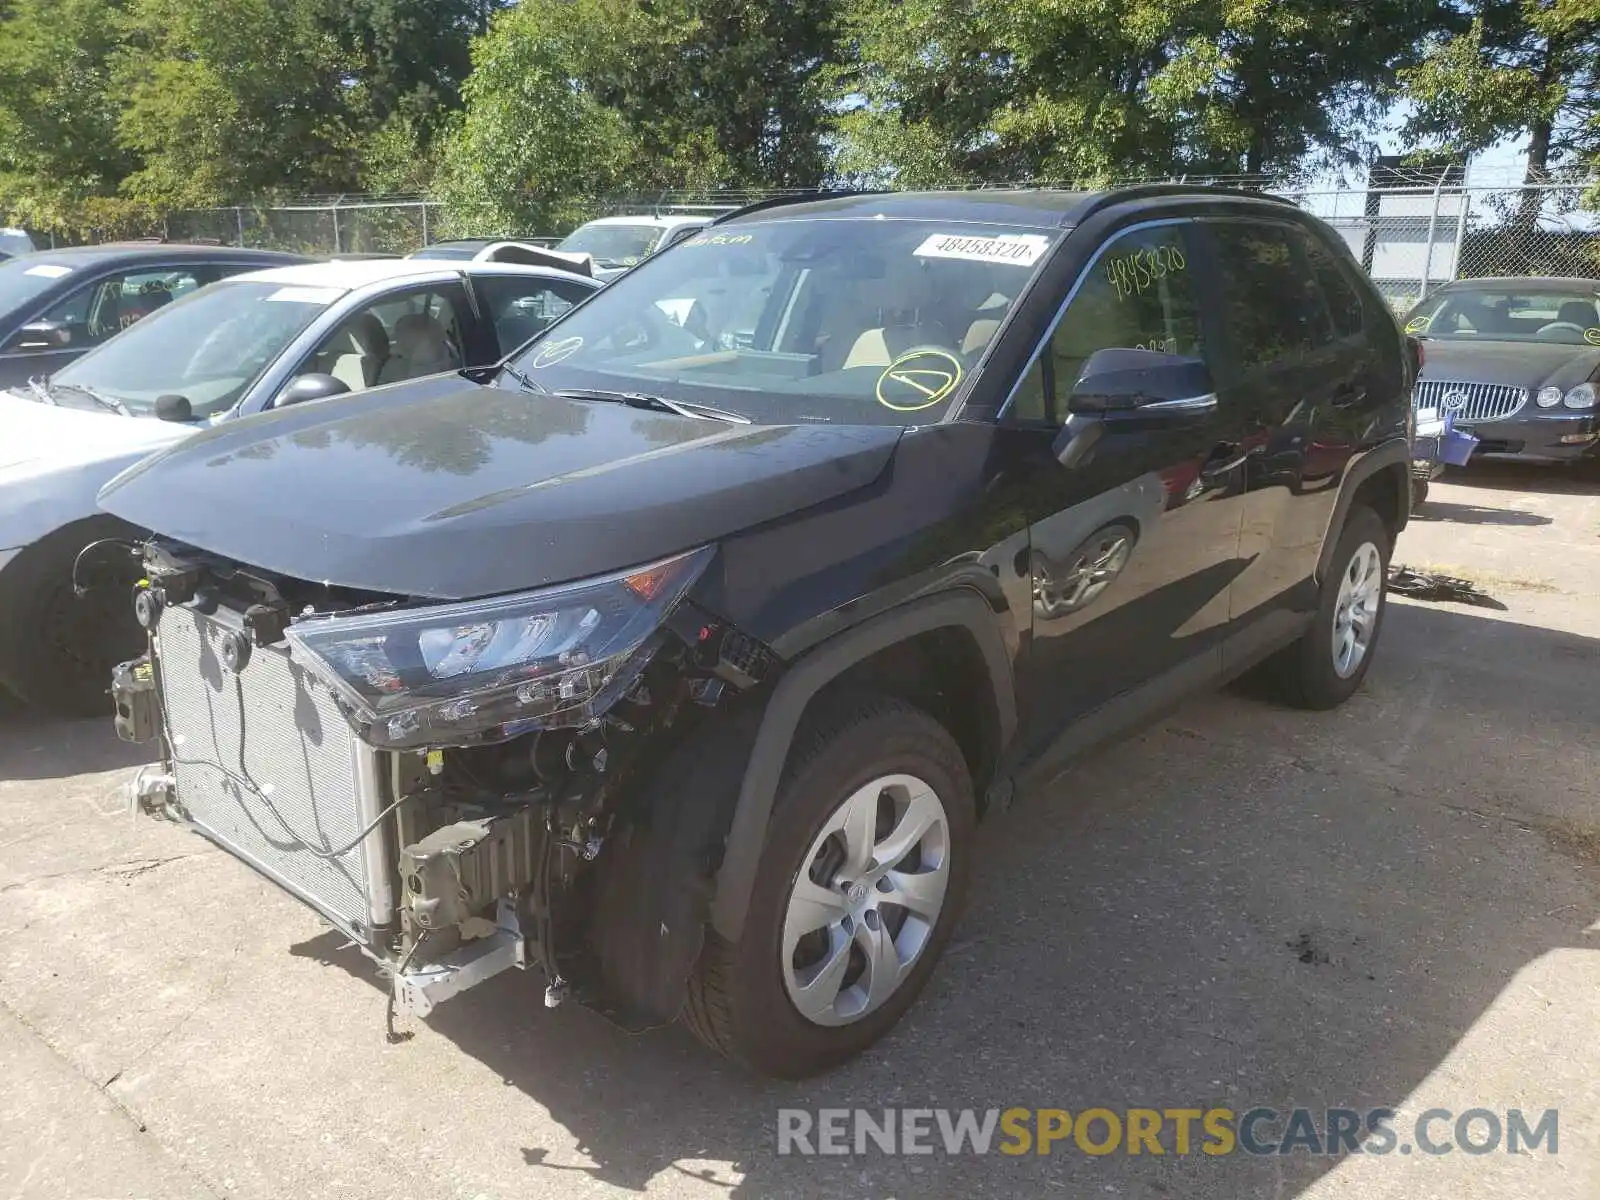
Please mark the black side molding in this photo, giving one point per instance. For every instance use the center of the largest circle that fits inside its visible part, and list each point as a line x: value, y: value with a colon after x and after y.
x: 802, y: 681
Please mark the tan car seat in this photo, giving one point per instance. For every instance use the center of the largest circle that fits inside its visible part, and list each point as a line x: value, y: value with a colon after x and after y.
x: 357, y: 352
x: 421, y: 347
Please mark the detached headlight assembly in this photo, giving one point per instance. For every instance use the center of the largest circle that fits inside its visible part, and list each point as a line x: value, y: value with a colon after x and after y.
x: 1582, y: 396
x: 462, y: 672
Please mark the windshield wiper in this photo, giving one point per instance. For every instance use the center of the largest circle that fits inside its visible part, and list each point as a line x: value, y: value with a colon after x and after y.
x: 527, y: 383
x: 40, y: 390
x: 683, y: 408
x: 100, y: 398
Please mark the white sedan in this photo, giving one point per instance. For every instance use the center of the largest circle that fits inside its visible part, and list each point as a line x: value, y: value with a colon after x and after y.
x: 245, y: 345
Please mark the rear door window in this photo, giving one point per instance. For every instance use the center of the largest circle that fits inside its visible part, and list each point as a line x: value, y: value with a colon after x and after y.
x: 1273, y: 306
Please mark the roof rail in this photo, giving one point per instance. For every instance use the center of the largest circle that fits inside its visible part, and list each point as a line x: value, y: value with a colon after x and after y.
x: 661, y: 209
x: 798, y: 198
x: 1146, y: 191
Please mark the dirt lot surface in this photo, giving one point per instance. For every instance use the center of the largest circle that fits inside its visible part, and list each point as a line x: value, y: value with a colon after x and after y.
x: 1394, y: 905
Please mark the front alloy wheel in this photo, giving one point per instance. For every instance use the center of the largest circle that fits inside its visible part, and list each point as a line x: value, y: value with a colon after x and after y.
x: 858, y: 887
x: 867, y: 900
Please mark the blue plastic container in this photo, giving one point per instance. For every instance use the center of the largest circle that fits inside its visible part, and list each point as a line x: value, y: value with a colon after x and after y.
x: 1457, y: 446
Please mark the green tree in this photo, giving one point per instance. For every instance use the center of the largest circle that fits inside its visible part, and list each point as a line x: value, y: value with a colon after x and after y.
x: 1526, y: 68
x: 231, y: 99
x: 990, y: 90
x: 58, y: 111
x: 535, y: 143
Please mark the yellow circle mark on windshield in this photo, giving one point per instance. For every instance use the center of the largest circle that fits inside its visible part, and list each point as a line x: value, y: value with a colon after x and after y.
x: 1418, y: 324
x: 917, y: 380
x: 553, y: 353
x: 1592, y: 336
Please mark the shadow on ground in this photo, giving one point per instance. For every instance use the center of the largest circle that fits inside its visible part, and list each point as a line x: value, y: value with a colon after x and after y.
x: 36, y: 746
x: 1247, y: 906
x: 1580, y: 479
x: 1473, y: 514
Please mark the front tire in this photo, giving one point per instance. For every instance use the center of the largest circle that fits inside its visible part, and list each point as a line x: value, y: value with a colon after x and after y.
x: 57, y: 649
x: 1324, y: 668
x: 861, y: 881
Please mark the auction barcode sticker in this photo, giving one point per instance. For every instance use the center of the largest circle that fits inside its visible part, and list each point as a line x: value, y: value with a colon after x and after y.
x: 1021, y: 249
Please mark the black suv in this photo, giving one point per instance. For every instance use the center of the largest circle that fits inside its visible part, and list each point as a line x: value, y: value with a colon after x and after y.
x: 679, y: 655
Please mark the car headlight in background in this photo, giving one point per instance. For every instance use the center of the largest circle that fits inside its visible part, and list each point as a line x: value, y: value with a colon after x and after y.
x: 1582, y: 396
x: 1548, y: 397
x: 449, y: 673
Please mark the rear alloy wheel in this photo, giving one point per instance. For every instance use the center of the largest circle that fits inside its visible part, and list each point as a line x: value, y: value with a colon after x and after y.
x: 1325, y: 667
x: 860, y: 883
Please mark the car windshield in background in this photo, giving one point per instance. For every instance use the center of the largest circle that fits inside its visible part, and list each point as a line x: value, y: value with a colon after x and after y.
x: 208, y: 347
x: 855, y: 322
x: 21, y: 279
x: 456, y: 250
x: 1505, y: 314
x: 612, y: 245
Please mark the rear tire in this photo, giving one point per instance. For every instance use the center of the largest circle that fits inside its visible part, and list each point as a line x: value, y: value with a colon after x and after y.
x: 741, y: 998
x: 1312, y: 673
x: 1419, y: 493
x: 57, y: 649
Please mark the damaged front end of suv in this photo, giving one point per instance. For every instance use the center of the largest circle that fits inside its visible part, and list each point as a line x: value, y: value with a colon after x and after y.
x: 460, y: 788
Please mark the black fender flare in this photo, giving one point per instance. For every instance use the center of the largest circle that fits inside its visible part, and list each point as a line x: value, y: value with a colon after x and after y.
x: 804, y: 678
x: 1393, y: 454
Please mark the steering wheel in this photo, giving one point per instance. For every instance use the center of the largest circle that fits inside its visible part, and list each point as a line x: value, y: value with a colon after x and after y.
x: 1561, y: 325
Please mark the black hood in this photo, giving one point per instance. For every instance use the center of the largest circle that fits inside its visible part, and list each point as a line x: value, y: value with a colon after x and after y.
x: 1529, y: 365
x: 452, y: 491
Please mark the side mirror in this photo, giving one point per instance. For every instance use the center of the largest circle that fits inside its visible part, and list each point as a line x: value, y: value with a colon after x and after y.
x: 172, y: 407
x: 42, y: 335
x: 315, y: 386
x: 1142, y: 383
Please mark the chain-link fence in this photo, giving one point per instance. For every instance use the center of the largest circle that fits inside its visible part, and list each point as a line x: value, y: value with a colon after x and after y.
x: 1412, y: 234
x: 1413, y: 239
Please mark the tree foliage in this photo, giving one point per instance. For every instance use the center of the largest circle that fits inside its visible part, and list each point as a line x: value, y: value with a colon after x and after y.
x: 1514, y: 67
x: 571, y: 99
x: 981, y: 90
x: 521, y: 114
x: 58, y: 117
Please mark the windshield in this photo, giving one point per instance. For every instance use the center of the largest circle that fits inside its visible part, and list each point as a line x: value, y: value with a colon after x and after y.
x: 613, y: 245
x: 1508, y: 314
x: 208, y: 347
x: 21, y: 279
x: 848, y: 321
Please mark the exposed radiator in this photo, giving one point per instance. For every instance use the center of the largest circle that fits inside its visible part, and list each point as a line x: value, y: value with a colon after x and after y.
x: 297, y: 750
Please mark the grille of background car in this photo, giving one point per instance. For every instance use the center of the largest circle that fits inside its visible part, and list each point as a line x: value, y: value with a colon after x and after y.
x: 1478, y: 401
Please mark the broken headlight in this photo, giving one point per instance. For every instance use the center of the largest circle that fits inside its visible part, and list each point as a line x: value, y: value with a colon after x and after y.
x: 429, y: 676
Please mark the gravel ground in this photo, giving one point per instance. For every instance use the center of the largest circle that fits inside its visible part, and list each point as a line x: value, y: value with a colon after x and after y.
x: 1394, y: 905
